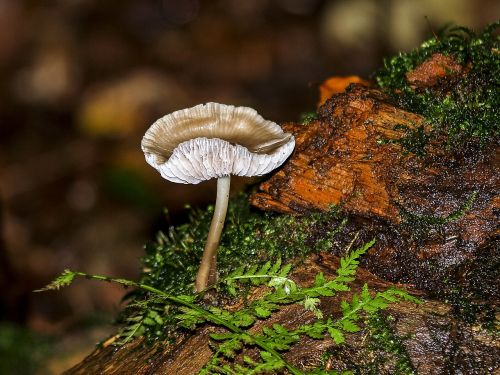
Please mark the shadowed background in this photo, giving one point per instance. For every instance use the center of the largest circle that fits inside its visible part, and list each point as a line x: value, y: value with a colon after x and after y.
x: 81, y: 81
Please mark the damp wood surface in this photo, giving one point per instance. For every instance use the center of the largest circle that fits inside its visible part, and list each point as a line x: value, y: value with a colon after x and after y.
x: 435, y: 217
x: 346, y: 157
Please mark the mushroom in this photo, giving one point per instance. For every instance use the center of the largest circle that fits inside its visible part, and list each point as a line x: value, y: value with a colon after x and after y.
x: 215, y: 141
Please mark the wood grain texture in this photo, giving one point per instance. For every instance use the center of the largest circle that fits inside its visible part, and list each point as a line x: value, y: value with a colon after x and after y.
x: 339, y: 158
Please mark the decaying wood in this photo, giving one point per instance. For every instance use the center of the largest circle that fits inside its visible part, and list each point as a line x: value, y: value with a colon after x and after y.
x: 413, y: 206
x: 338, y: 158
x: 437, y: 67
x: 434, y: 340
x: 347, y: 158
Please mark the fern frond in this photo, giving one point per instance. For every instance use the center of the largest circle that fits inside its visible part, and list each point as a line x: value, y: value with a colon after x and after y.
x: 189, y: 318
x: 270, y: 341
x: 64, y: 279
x: 278, y: 337
x: 349, y: 263
x: 272, y: 273
x: 134, y: 327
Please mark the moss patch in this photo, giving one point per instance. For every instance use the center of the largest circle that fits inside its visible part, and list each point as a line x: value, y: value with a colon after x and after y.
x: 386, y: 347
x: 462, y: 107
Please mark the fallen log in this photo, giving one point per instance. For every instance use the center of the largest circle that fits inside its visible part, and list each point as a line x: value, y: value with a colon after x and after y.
x: 339, y: 159
x: 434, y: 215
x: 425, y: 337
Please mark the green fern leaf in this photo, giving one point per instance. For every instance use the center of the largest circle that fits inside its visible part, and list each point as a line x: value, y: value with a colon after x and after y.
x: 336, y: 335
x: 276, y: 267
x: 349, y: 326
x: 319, y: 280
x: 262, y: 312
x: 64, y: 279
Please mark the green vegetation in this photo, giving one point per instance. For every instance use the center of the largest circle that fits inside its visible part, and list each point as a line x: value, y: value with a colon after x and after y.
x: 471, y: 310
x: 261, y: 249
x: 22, y: 352
x: 307, y: 117
x: 384, y: 342
x: 188, y: 311
x: 250, y: 237
x: 465, y: 109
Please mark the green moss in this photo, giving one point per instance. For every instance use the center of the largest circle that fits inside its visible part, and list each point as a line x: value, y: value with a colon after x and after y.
x: 474, y: 300
x: 378, y: 351
x: 413, y: 140
x: 240, y: 325
x: 307, y: 117
x: 464, y: 109
x: 249, y: 237
x: 472, y: 311
x: 386, y: 346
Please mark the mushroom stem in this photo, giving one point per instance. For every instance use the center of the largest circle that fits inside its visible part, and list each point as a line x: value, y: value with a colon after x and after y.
x: 207, y: 274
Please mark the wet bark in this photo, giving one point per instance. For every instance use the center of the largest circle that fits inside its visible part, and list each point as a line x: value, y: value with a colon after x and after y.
x: 435, y: 216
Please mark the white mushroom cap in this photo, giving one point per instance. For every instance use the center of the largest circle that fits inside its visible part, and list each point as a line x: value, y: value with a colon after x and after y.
x: 214, y: 140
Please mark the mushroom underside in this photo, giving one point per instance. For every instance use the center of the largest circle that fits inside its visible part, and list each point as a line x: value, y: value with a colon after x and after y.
x: 201, y: 159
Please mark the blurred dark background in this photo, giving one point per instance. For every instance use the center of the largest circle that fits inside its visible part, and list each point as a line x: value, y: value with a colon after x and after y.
x: 81, y: 81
